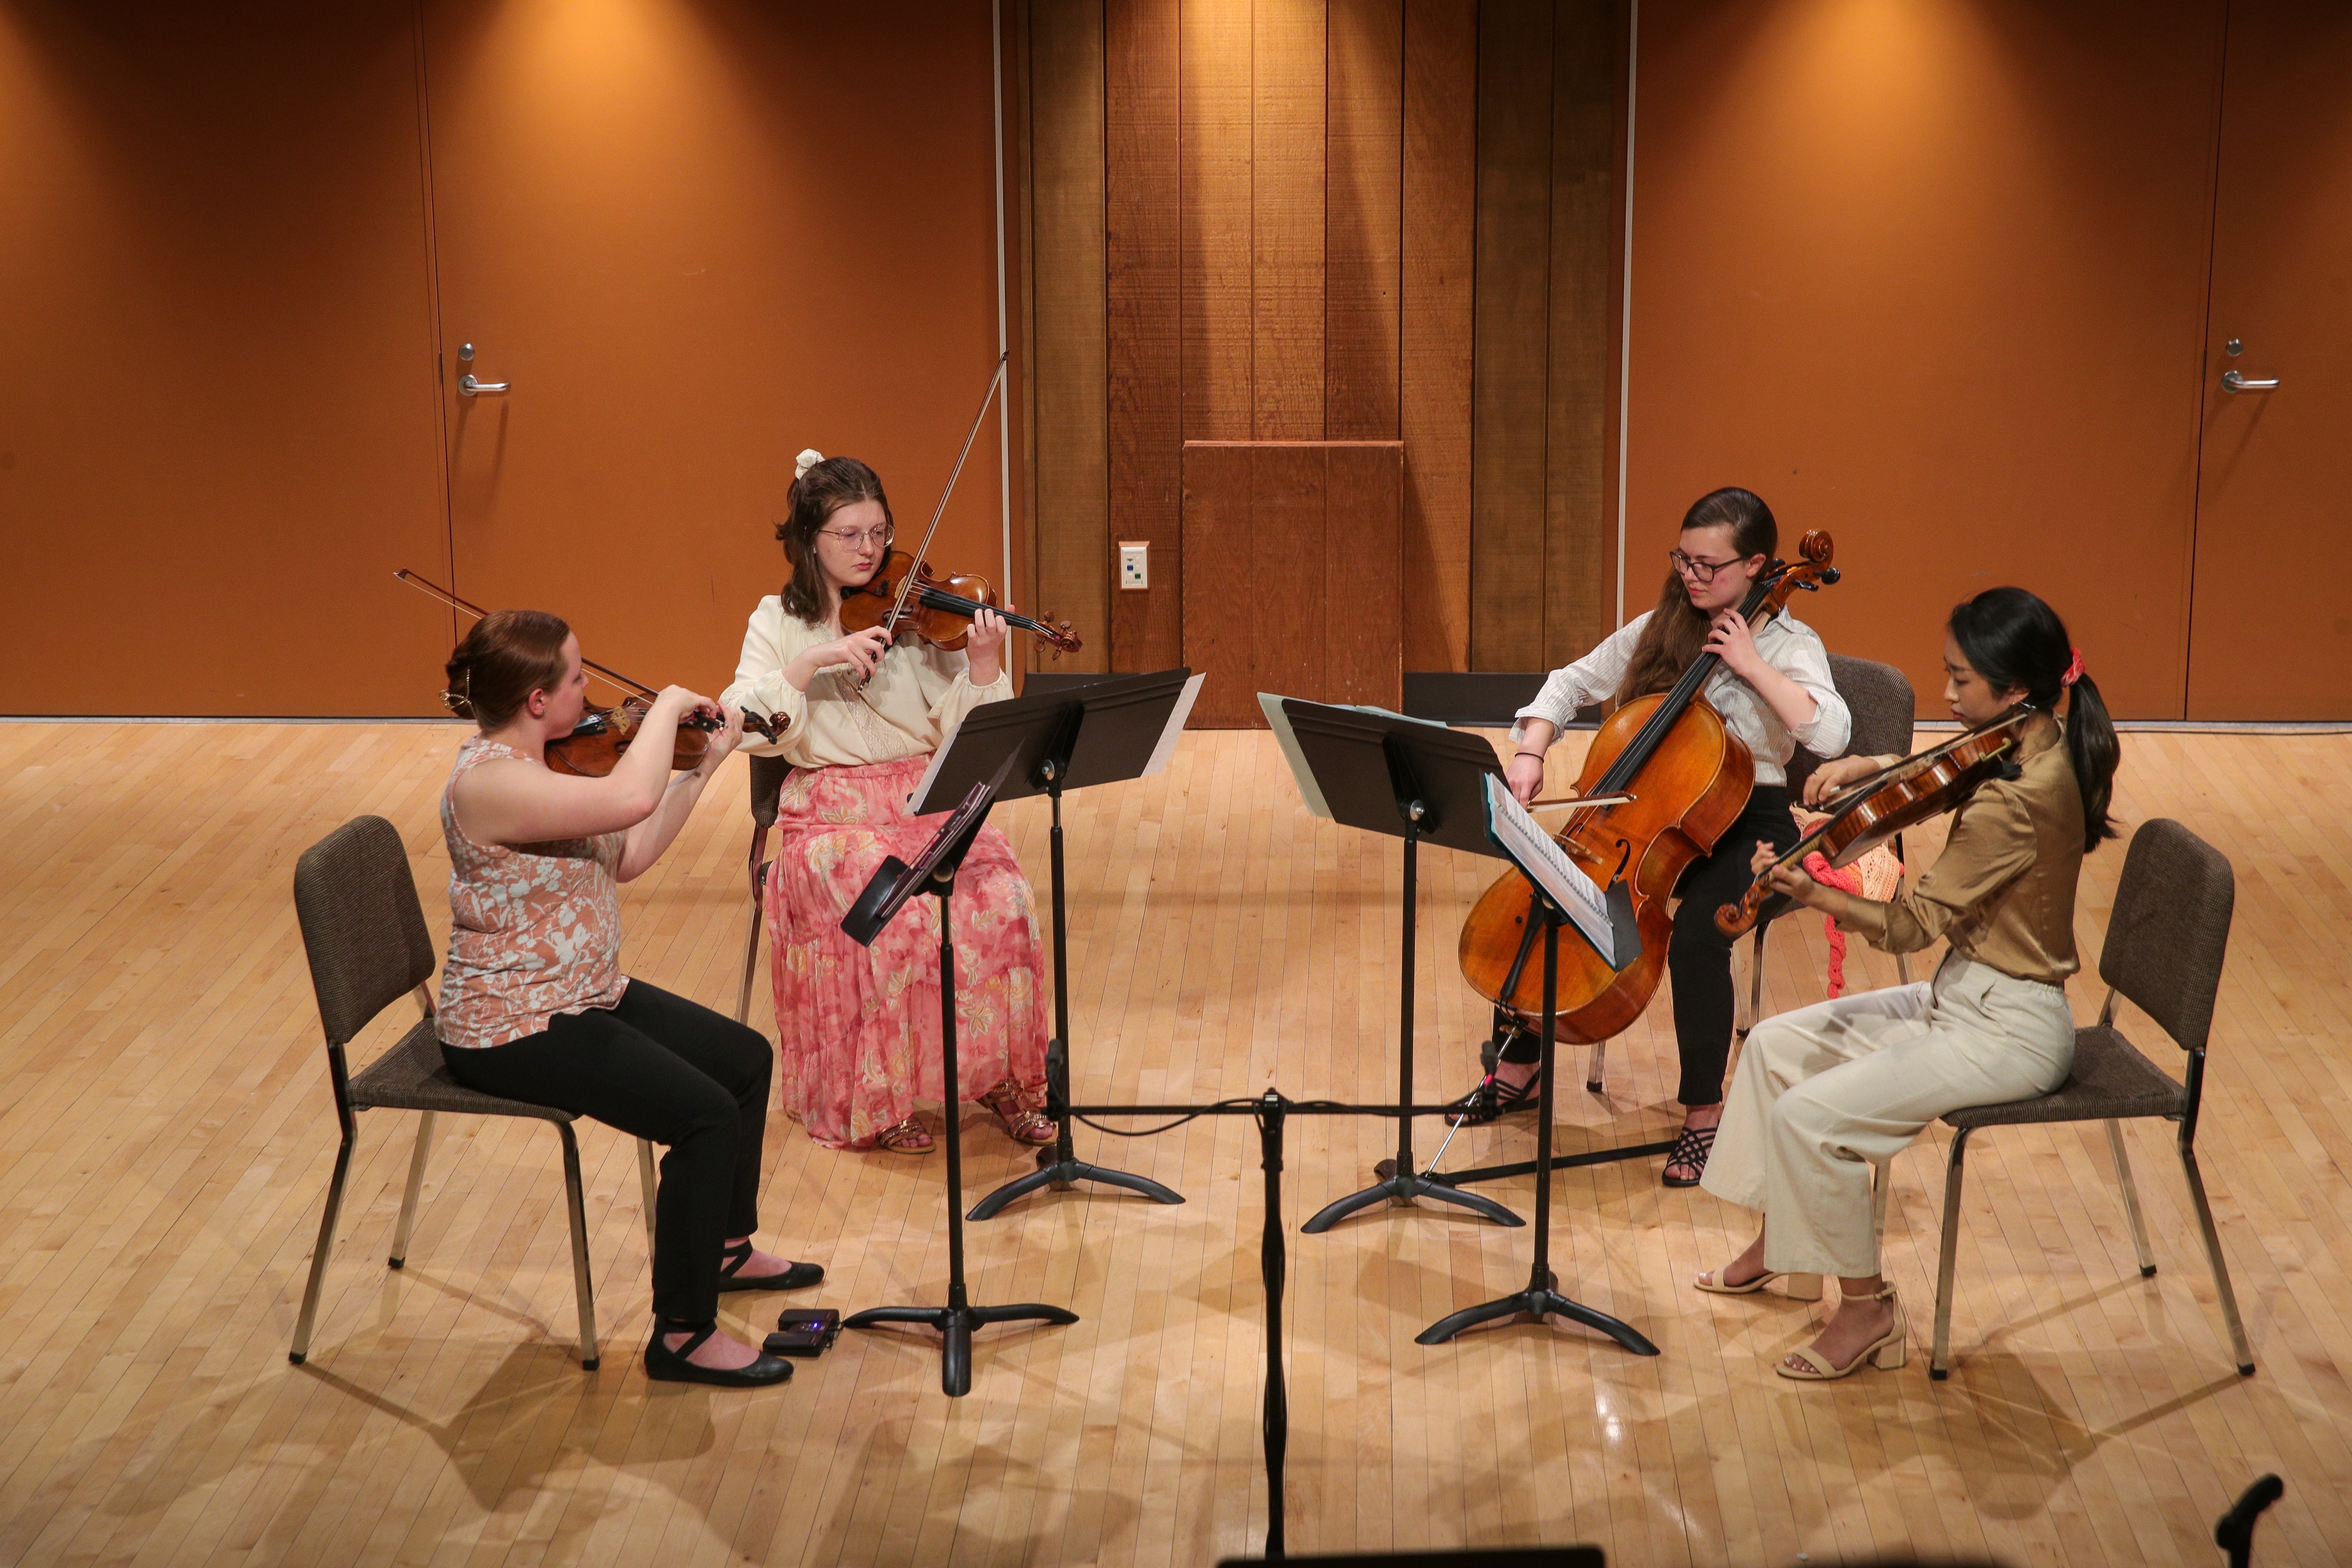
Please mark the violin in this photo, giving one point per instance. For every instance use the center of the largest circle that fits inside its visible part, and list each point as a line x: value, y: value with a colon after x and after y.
x: 1689, y: 779
x: 597, y: 744
x: 1872, y: 810
x: 939, y: 609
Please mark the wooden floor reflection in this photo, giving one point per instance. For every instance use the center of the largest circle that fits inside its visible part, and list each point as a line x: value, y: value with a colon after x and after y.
x: 166, y: 1132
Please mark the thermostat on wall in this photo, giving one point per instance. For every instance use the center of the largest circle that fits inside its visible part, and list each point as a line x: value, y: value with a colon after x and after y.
x: 1134, y: 563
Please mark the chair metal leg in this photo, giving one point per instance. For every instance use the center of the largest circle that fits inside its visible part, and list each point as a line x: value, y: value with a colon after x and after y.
x: 751, y: 964
x: 2213, y: 1255
x: 577, y: 1211
x: 2131, y: 1198
x: 1939, y: 1359
x: 1755, y: 983
x: 309, y: 1316
x: 1592, y: 1066
x: 647, y: 1184
x: 406, y: 1228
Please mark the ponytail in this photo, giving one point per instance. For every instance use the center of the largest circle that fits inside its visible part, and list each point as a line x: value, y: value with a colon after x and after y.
x: 2015, y: 641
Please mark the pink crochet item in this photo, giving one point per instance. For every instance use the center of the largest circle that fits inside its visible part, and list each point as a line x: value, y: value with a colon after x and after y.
x: 1876, y: 876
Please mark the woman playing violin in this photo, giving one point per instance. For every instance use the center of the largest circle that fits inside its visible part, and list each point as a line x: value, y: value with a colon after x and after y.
x: 858, y: 1027
x: 1774, y: 692
x: 534, y: 1005
x: 1823, y: 1091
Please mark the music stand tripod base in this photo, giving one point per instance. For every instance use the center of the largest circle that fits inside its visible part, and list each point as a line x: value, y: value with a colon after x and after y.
x: 1059, y: 1166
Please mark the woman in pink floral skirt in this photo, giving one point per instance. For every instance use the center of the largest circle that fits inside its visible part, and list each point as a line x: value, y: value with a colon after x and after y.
x: 858, y: 1027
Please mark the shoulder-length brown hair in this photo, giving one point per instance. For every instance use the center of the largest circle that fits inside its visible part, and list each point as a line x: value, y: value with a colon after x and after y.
x: 815, y: 496
x: 1676, y: 630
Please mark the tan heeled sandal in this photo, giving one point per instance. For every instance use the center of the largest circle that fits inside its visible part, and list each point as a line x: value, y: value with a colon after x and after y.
x: 1885, y: 1353
x: 1801, y: 1287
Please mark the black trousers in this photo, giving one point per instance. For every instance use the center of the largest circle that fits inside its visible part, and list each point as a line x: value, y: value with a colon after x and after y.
x: 1698, y: 957
x: 661, y: 1067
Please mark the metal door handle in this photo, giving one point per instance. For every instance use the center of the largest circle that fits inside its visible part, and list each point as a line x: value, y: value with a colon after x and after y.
x: 467, y: 386
x: 2236, y: 382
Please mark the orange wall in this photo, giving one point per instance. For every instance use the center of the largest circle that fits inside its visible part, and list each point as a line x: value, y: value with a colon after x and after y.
x: 1930, y: 275
x: 699, y: 235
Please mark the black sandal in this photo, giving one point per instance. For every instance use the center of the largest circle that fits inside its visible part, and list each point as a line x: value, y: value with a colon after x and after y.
x: 666, y: 1365
x: 1691, y: 1149
x: 1491, y: 1101
x: 799, y: 1277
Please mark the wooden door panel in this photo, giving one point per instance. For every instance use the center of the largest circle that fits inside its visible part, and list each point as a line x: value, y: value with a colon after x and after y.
x: 217, y: 434
x: 696, y: 240
x: 1932, y: 278
x: 2271, y: 636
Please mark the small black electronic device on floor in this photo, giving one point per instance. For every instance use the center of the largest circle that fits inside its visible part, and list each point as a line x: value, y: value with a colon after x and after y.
x: 804, y: 1330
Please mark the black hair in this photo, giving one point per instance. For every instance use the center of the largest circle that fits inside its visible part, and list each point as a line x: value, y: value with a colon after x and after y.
x: 2015, y: 641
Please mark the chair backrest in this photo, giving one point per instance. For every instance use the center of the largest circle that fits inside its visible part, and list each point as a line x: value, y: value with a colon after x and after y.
x: 1879, y: 697
x: 362, y: 925
x: 767, y: 781
x: 2170, y: 929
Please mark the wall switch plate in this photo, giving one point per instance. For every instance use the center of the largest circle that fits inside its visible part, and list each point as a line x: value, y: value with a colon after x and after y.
x: 1134, y: 563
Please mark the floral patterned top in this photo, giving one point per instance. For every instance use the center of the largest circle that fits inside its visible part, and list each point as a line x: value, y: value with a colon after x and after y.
x: 534, y: 929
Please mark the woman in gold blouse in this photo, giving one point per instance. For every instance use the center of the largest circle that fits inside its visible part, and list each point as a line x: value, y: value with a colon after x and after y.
x: 858, y: 1027
x: 1823, y: 1091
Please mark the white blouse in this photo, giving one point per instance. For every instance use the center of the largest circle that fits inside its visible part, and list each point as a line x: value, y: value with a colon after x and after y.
x: 918, y: 695
x: 1788, y: 645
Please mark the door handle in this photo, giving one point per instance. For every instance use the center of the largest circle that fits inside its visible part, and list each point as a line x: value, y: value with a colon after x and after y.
x: 469, y: 387
x: 2230, y: 378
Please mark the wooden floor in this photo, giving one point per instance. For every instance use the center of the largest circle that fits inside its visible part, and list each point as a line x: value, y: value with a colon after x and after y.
x: 166, y: 1134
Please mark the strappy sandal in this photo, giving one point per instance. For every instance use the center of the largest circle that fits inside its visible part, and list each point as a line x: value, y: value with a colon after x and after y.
x: 795, y: 1277
x: 908, y: 1137
x: 1885, y: 1353
x: 1691, y: 1149
x: 1023, y: 1118
x: 1492, y: 1100
x: 1802, y: 1286
x: 666, y: 1365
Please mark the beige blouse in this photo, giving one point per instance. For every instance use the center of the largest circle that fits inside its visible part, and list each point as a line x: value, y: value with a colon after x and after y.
x: 919, y: 694
x: 534, y: 929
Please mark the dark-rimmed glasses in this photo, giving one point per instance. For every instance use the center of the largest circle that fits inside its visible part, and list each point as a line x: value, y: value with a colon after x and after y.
x: 1699, y: 571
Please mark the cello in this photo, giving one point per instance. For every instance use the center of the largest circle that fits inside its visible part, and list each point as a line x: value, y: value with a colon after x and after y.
x: 1688, y: 777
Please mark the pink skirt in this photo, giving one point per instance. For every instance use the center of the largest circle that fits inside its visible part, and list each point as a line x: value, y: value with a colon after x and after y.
x: 858, y: 1027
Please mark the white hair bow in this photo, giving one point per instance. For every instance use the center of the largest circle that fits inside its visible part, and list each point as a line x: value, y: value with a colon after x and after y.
x: 809, y: 458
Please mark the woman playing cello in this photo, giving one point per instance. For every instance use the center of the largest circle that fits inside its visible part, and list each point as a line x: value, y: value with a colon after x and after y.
x: 1773, y: 690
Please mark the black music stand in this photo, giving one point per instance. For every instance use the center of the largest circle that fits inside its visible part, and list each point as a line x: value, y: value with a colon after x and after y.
x: 1519, y: 840
x: 1106, y: 731
x: 1383, y: 772
x: 934, y: 873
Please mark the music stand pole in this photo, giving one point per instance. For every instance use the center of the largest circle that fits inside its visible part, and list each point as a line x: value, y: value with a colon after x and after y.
x: 1060, y: 1167
x: 1401, y: 1184
x: 1539, y: 1300
x: 956, y: 1320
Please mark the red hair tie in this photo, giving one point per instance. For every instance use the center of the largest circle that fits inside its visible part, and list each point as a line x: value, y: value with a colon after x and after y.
x: 2073, y: 669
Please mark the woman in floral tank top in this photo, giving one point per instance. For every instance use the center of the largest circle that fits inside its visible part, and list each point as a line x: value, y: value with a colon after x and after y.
x: 534, y: 1005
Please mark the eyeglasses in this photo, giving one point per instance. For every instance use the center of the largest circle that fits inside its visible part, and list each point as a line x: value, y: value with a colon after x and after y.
x: 862, y: 537
x: 1695, y: 570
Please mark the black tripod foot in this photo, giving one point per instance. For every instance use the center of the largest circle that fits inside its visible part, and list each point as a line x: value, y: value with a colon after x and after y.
x: 1061, y: 1174
x: 1403, y: 1187
x: 955, y: 1325
x: 1538, y: 1303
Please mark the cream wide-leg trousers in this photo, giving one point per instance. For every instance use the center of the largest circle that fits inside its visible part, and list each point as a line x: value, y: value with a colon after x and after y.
x: 1823, y: 1091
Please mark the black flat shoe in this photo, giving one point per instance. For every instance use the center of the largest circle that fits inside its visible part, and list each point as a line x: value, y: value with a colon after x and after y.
x: 665, y: 1365
x: 1492, y: 1100
x: 1691, y: 1149
x: 799, y: 1277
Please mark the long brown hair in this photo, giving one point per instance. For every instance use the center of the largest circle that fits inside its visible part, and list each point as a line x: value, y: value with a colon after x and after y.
x: 506, y: 656
x: 1676, y: 629
x: 827, y: 486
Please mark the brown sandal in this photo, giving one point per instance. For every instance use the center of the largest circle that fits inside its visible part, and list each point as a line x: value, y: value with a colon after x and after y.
x: 908, y: 1137
x: 1021, y: 1114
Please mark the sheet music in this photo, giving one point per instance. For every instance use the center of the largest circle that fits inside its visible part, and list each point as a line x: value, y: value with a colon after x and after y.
x: 1530, y: 849
x: 1287, y: 738
x: 1167, y: 746
x: 947, y: 742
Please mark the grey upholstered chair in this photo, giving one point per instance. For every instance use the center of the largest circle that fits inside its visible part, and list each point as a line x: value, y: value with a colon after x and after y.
x: 767, y: 775
x: 364, y: 933
x: 2163, y: 952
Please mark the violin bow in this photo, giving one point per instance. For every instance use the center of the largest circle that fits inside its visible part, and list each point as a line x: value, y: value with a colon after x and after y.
x: 425, y: 586
x: 899, y: 604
